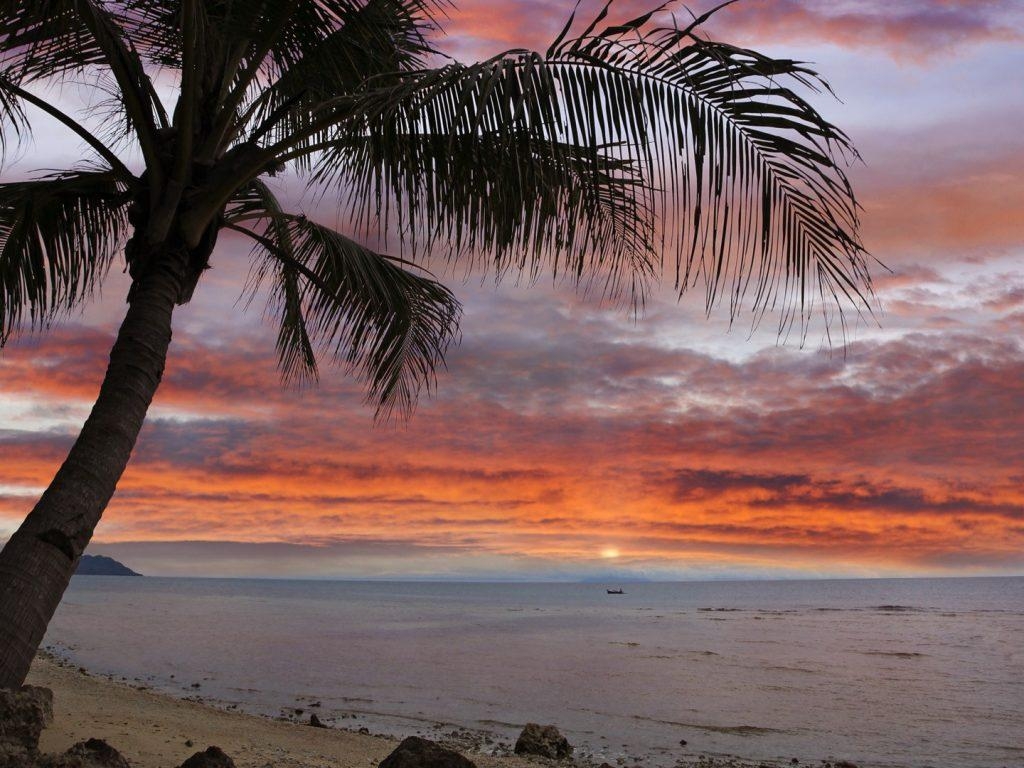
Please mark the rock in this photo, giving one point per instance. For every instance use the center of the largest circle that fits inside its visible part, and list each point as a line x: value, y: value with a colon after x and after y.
x: 23, y: 715
x: 542, y: 740
x: 682, y: 742
x: 16, y: 757
x: 213, y: 757
x: 845, y: 764
x: 98, y: 752
x: 93, y: 753
x: 415, y: 752
x: 315, y: 721
x: 365, y: 731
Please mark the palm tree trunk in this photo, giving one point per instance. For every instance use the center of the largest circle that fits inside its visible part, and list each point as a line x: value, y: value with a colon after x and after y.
x: 37, y: 563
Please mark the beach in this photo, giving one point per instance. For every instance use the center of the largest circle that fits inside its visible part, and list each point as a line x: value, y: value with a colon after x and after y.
x: 154, y: 730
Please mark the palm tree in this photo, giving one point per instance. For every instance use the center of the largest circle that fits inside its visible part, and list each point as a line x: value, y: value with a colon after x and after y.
x: 621, y: 152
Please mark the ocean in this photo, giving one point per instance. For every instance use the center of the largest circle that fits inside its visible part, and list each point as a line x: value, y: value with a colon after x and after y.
x: 886, y: 673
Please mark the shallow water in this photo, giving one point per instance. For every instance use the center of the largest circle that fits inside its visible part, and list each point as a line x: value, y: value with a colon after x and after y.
x: 908, y: 672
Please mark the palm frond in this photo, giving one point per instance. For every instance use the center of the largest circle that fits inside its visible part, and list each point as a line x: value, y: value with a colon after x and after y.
x: 332, y: 294
x: 260, y: 54
x: 505, y: 203
x: 58, y: 237
x: 13, y: 121
x: 296, y: 355
x: 740, y: 179
x: 374, y: 38
x: 48, y: 39
x: 12, y: 96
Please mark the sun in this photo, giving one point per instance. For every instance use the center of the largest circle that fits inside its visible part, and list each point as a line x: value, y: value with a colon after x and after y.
x: 610, y: 553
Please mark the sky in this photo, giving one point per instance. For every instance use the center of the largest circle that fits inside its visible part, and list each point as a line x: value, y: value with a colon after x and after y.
x: 568, y: 440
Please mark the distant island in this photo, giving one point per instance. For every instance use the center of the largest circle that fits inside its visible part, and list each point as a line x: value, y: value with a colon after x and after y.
x: 101, y: 565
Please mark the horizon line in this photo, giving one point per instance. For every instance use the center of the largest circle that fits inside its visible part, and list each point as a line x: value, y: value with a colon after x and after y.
x: 587, y: 580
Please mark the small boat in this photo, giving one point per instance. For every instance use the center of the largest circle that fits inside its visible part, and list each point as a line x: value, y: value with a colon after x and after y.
x: 615, y: 591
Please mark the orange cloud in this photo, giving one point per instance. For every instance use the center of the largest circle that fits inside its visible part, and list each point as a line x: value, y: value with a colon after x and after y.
x: 966, y: 208
x: 550, y: 452
x: 903, y: 29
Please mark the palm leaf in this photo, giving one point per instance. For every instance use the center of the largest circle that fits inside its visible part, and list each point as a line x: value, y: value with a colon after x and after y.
x: 264, y: 53
x: 390, y: 325
x: 374, y: 38
x: 508, y: 203
x: 740, y: 179
x: 12, y: 115
x: 48, y: 39
x: 296, y: 354
x: 58, y: 238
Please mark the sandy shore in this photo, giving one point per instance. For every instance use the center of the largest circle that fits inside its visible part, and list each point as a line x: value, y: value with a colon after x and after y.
x: 155, y: 730
x: 151, y: 729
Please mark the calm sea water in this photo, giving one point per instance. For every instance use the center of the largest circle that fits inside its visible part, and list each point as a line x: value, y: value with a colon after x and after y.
x: 912, y: 673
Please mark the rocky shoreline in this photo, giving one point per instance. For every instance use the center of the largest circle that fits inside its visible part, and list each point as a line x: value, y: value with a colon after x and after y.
x: 147, y: 729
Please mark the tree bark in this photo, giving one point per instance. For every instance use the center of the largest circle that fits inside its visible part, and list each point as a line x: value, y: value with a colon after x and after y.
x: 38, y: 561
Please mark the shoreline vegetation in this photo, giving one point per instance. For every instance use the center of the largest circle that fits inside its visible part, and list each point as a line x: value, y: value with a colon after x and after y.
x: 157, y: 730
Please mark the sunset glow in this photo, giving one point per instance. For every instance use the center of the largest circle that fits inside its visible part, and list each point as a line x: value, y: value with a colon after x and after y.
x: 567, y: 440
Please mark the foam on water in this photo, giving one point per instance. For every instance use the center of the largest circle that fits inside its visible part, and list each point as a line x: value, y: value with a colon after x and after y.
x: 913, y: 673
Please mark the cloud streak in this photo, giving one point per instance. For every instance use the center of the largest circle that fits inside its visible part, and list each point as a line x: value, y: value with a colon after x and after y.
x: 902, y: 29
x: 907, y: 30
x: 592, y: 437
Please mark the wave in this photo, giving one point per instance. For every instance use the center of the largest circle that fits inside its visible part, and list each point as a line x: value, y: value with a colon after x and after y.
x: 739, y: 730
x: 897, y: 654
x: 784, y: 668
x: 900, y: 609
x: 720, y: 610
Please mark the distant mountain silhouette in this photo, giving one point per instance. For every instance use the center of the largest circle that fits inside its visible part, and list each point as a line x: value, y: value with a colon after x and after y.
x: 100, y: 565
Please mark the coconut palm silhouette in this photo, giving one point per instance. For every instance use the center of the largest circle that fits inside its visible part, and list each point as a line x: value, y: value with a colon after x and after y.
x: 622, y: 152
